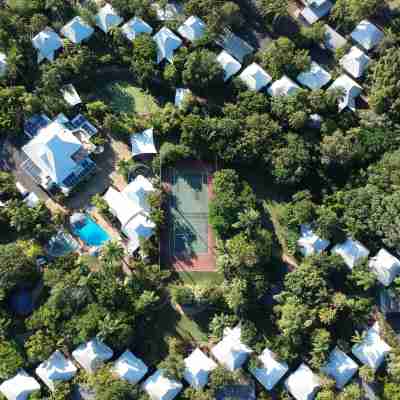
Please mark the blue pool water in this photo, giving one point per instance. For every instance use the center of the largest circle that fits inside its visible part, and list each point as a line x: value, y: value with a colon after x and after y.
x: 91, y: 233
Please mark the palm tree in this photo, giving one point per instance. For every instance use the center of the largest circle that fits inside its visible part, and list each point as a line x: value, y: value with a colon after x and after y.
x: 112, y: 252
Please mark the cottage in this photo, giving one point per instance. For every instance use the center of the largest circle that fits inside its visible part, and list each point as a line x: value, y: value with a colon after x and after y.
x: 77, y: 30
x: 46, y: 42
x: 310, y: 243
x: 332, y: 39
x: 271, y: 371
x: 19, y: 387
x: 386, y: 267
x: 143, y: 143
x: 255, y: 77
x: 283, y: 87
x: 130, y: 368
x: 230, y: 351
x: 91, y: 355
x: 158, y: 387
x: 367, y: 35
x: 350, y: 91
x: 355, y: 62
x: 340, y: 367
x: 70, y: 95
x: 315, y: 78
x: 167, y: 42
x: 228, y: 64
x: 389, y: 301
x: 192, y: 29
x: 351, y: 251
x: 198, y: 367
x: 303, y: 384
x: 315, y: 10
x: 135, y: 27
x: 107, y: 18
x: 235, y: 46
x: 3, y: 64
x: 168, y: 12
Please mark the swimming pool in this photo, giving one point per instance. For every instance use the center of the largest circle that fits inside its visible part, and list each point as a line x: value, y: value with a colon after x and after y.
x: 91, y: 233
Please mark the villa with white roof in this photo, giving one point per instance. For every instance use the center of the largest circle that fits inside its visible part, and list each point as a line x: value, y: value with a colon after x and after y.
x: 271, y: 371
x: 56, y: 369
x: 143, y: 143
x: 303, y: 384
x: 19, y: 387
x: 192, y: 29
x: 131, y: 208
x: 198, y: 367
x: 159, y: 387
x: 315, y: 10
x: 367, y: 35
x: 91, y: 355
x: 315, y: 77
x: 107, y: 18
x: 130, y: 368
x: 77, y: 30
x: 372, y: 350
x: 47, y: 42
x: 255, y: 77
x: 167, y: 42
x: 340, y: 367
x: 352, y: 252
x: 56, y: 157
x: 228, y: 64
x: 310, y: 243
x: 135, y: 27
x: 351, y: 90
x: 283, y: 87
x: 355, y: 62
x: 385, y: 266
x: 230, y: 351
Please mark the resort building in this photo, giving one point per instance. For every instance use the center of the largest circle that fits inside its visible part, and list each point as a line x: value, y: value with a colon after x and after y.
x: 315, y: 10
x: 235, y: 46
x: 198, y: 368
x: 230, y: 351
x: 271, y: 370
x: 167, y: 42
x: 340, y: 367
x: 303, y: 384
x: 332, y: 39
x: 192, y: 29
x: 19, y: 387
x: 77, y: 30
x: 283, y: 87
x: 255, y: 77
x: 367, y: 35
x: 355, y: 62
x: 70, y: 95
x: 350, y: 91
x: 92, y: 355
x: 310, y: 243
x: 315, y: 78
x: 168, y: 12
x: 372, y: 350
x: 3, y: 64
x: 56, y: 369
x: 143, y: 143
x: 130, y: 368
x: 58, y: 152
x: 385, y: 266
x: 228, y: 64
x: 107, y: 18
x: 158, y: 387
x: 135, y: 27
x: 352, y: 252
x: 46, y: 42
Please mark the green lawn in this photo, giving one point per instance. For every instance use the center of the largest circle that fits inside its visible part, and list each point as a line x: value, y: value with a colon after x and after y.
x: 200, y: 277
x: 122, y: 96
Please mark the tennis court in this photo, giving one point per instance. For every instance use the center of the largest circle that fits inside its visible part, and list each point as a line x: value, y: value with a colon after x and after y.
x: 188, y: 234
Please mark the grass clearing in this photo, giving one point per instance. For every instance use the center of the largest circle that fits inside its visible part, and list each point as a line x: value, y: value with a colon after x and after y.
x: 200, y: 277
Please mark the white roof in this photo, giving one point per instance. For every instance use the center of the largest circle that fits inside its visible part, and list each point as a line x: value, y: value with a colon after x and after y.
x: 310, y: 243
x: 19, y: 387
x: 340, y: 367
x: 192, y: 29
x: 372, y: 350
x: 139, y: 227
x: 386, y: 266
x: 92, y: 354
x: 283, y: 87
x: 355, y: 62
x: 255, y: 77
x: 56, y: 369
x: 230, y: 351
x: 314, y: 3
x: 229, y: 64
x: 32, y: 200
x: 138, y: 190
x: 143, y: 143
x: 315, y: 78
x: 107, y: 18
x: 198, y: 367
x: 272, y: 370
x: 130, y: 368
x: 180, y: 94
x: 77, y: 30
x: 52, y: 150
x: 169, y: 12
x: 303, y: 384
x: 134, y: 27
x: 167, y: 42
x: 158, y: 387
x: 70, y: 95
x: 351, y: 91
x: 351, y: 251
x: 3, y: 64
x: 367, y: 35
x: 332, y: 39
x: 313, y: 14
x: 46, y: 42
